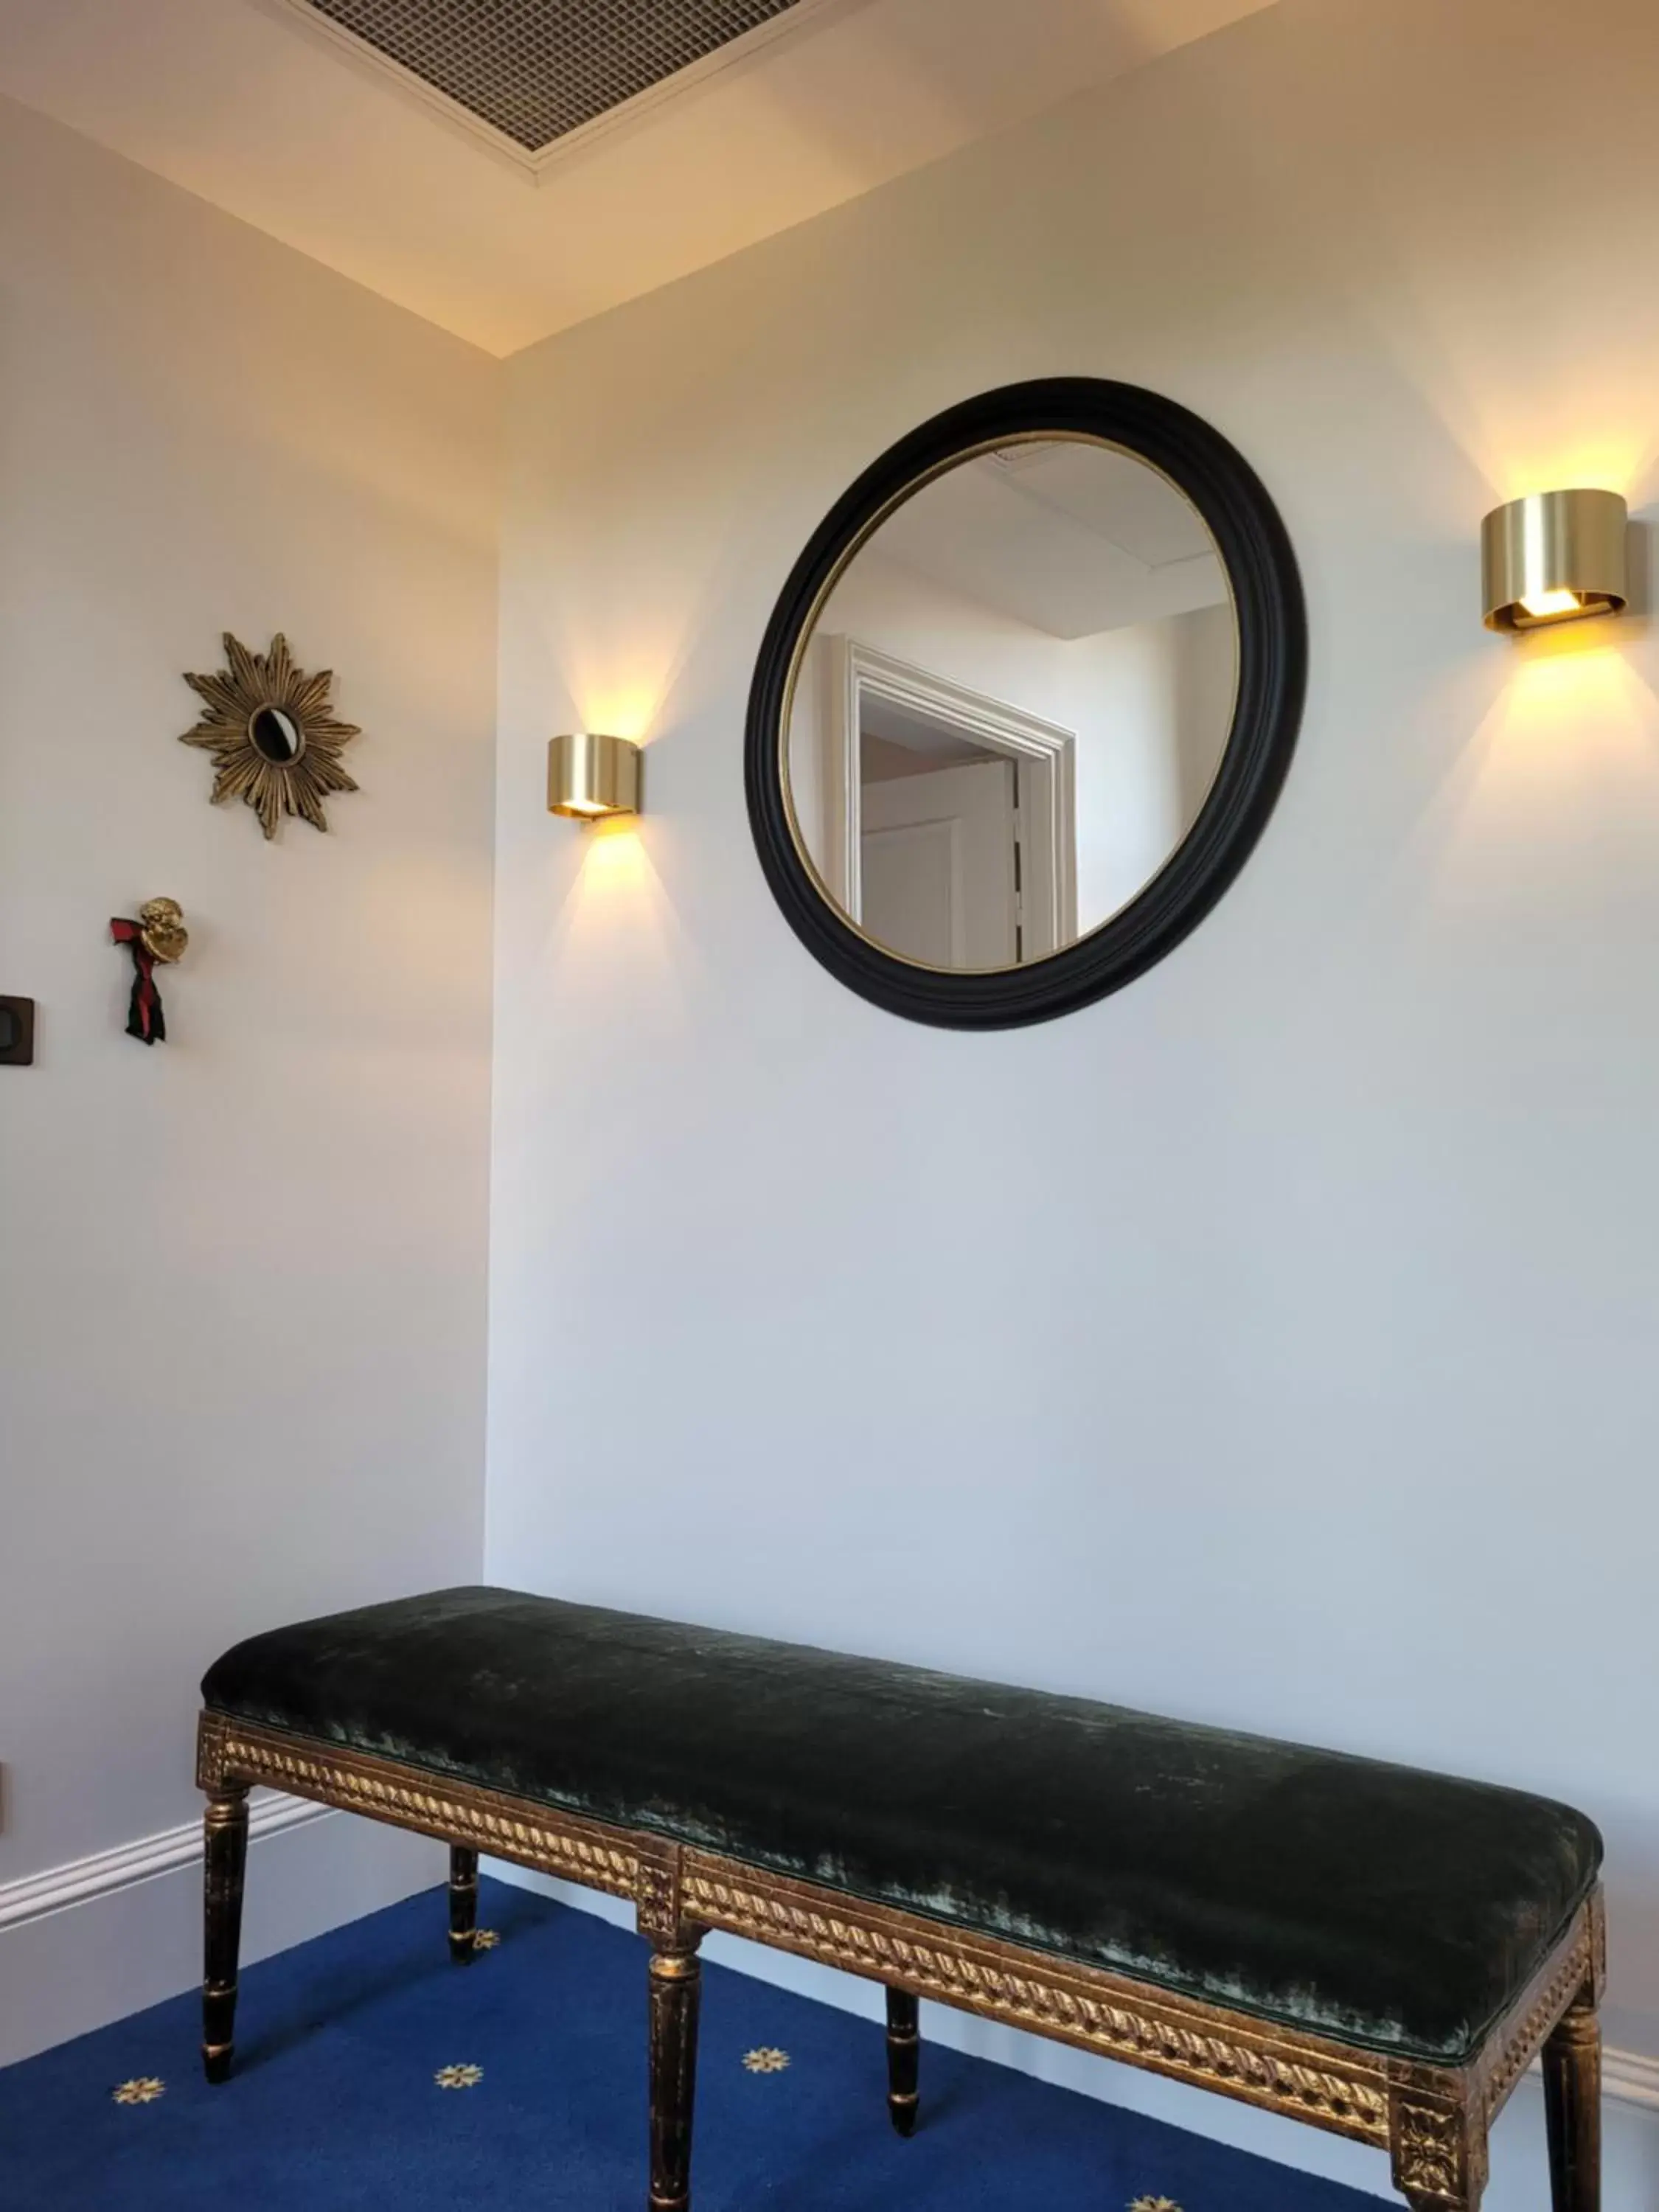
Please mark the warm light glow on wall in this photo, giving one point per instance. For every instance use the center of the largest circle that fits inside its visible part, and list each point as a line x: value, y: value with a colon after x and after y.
x: 609, y: 932
x: 1572, y: 721
x: 1591, y: 691
x: 1617, y: 457
x: 627, y: 708
x: 1562, y: 757
x: 616, y: 847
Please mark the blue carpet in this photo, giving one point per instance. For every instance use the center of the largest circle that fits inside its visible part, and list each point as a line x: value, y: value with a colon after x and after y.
x: 334, y: 2106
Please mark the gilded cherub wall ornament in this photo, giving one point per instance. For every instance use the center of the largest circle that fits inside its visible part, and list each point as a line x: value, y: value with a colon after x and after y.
x: 156, y: 938
x: 273, y: 740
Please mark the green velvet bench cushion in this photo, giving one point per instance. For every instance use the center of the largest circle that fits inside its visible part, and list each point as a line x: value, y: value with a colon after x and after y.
x: 1384, y: 1907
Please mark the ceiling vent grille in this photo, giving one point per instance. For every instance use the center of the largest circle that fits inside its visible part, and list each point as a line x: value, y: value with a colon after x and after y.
x: 537, y: 70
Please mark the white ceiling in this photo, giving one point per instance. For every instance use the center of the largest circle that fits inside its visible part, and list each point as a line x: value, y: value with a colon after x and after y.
x: 240, y: 102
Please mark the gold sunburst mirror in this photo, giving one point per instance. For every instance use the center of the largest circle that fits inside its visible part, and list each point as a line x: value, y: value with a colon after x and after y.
x: 274, y: 741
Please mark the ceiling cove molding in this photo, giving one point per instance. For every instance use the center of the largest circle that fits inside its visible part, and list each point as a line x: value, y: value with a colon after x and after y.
x: 796, y: 22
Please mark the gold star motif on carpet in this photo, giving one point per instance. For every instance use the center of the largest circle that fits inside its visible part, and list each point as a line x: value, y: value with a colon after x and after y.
x: 484, y: 1939
x: 1154, y: 2205
x: 142, y: 2089
x: 766, y: 2060
x: 458, y: 2077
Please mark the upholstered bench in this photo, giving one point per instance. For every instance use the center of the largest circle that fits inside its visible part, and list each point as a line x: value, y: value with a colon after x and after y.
x: 1377, y: 1951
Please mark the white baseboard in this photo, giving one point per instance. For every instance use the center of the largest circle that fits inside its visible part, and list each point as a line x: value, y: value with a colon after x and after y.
x: 106, y: 1936
x: 101, y: 1873
x: 1630, y: 2077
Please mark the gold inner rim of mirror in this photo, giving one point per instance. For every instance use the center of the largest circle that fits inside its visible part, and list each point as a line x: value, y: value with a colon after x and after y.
x: 826, y: 591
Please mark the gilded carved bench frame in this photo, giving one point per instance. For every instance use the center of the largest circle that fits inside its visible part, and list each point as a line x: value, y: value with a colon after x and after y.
x: 1433, y: 2121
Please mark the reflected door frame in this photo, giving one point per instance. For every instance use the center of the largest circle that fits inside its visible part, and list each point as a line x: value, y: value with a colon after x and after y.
x: 1046, y: 755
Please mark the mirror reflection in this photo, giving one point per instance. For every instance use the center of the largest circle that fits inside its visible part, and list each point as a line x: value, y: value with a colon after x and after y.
x: 276, y: 734
x: 1012, y: 705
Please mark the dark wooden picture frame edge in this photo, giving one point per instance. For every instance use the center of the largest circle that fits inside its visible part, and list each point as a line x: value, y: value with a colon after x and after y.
x: 16, y: 1032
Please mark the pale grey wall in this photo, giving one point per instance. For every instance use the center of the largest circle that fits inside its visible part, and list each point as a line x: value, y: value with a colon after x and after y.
x: 1300, y: 1373
x: 242, y: 1274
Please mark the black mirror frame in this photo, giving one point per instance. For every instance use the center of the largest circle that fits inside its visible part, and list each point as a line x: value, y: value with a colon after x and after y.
x: 1273, y: 656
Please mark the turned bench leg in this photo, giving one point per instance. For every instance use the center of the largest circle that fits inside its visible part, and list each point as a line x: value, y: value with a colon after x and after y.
x: 903, y: 2055
x: 463, y: 1903
x: 674, y: 1981
x: 1572, y: 2107
x: 225, y: 1836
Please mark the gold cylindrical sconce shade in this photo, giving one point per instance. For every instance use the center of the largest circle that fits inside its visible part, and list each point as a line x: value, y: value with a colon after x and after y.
x: 589, y: 776
x: 1554, y: 557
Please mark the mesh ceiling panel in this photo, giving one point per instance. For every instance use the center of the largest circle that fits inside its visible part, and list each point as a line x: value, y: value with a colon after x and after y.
x: 536, y: 68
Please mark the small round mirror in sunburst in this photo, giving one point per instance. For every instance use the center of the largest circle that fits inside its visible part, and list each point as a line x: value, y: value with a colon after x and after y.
x: 273, y: 740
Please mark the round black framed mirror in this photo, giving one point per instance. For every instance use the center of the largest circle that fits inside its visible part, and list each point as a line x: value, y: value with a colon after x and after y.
x: 1025, y: 703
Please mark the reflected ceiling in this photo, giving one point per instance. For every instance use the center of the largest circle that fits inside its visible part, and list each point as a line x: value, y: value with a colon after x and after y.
x: 1069, y: 538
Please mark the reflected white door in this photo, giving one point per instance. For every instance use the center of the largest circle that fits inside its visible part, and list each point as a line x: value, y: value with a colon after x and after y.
x: 940, y: 876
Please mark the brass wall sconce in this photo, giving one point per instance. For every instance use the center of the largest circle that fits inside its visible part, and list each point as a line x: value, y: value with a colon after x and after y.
x: 1555, y: 556
x: 589, y: 776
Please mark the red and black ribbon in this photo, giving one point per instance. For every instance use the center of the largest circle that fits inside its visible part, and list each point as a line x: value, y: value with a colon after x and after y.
x: 145, y: 1019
